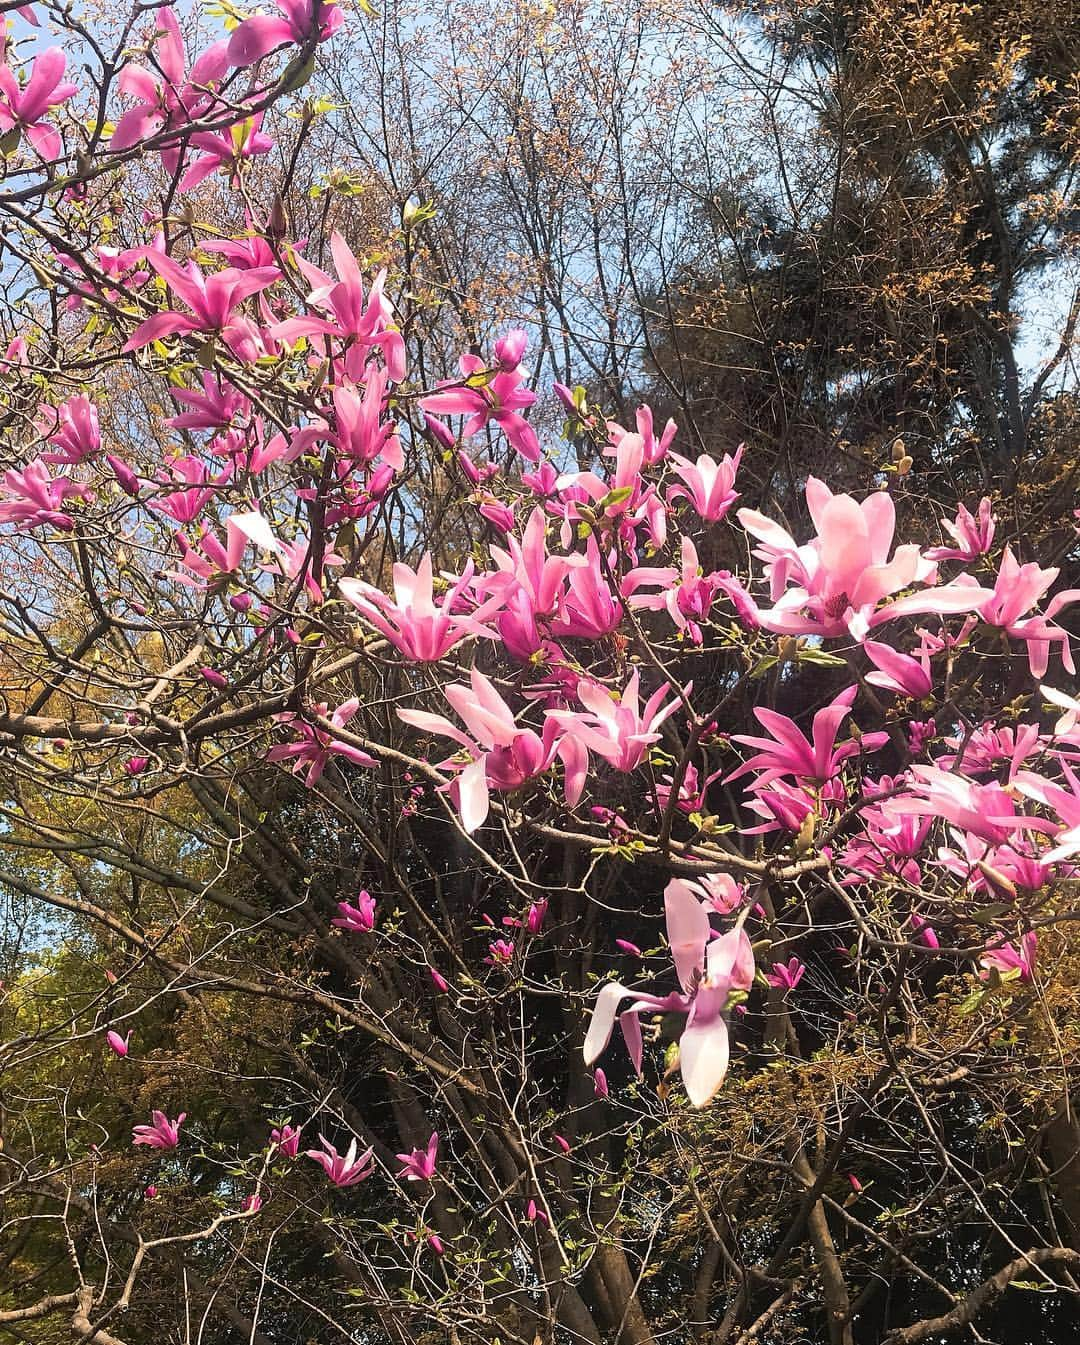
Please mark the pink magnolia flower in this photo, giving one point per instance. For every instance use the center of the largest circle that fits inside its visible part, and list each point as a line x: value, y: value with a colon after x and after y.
x: 654, y: 449
x: 708, y: 485
x: 361, y: 323
x: 535, y: 1214
x: 27, y: 107
x: 206, y: 558
x: 411, y: 621
x: 1016, y: 591
x: 360, y: 918
x: 789, y: 752
x: 1011, y: 962
x: 175, y: 99
x: 923, y: 932
x: 151, y: 1193
x: 1063, y: 802
x: 562, y: 1142
x: 343, y: 1169
x: 251, y: 1204
x: 226, y: 151
x: 510, y: 349
x: 215, y: 408
x: 254, y: 38
x: 35, y: 498
x: 213, y: 301
x: 162, y: 1133
x: 625, y: 946
x: 500, y: 953
x: 482, y: 398
x: 419, y: 1166
x: 691, y: 792
x: 436, y: 1244
x: 709, y: 969
x: 72, y: 429
x: 121, y: 1045
x: 832, y: 585
x: 503, y: 756
x: 136, y: 765
x: 438, y: 980
x: 616, y: 729
x: 600, y: 1083
x: 313, y: 747
x: 972, y: 536
x: 363, y: 435
x: 587, y: 608
x: 534, y: 921
x: 687, y: 596
x: 286, y: 1140
x: 898, y: 672
x: 986, y: 811
x: 786, y: 975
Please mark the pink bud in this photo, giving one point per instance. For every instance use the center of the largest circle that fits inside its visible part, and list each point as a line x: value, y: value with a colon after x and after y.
x: 215, y: 678
x: 150, y: 1193
x: 110, y: 976
x: 136, y: 765
x: 241, y: 602
x: 251, y: 1204
x: 856, y: 1185
x: 628, y: 947
x: 439, y: 431
x: 441, y: 984
x: 125, y: 476
x: 509, y: 349
x: 564, y: 1144
x: 436, y: 1244
x: 600, y: 1083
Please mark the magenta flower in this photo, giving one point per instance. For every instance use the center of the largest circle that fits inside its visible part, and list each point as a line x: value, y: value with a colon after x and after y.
x: 625, y: 946
x: 564, y: 1144
x: 251, y: 1204
x: 600, y: 1083
x: 26, y: 108
x: 1016, y: 591
x: 789, y: 752
x: 436, y: 1244
x: 832, y: 585
x: 483, y: 398
x: 709, y: 969
x: 419, y: 1166
x: 898, y: 672
x: 503, y: 756
x: 439, y: 981
x: 924, y: 933
x: 359, y: 918
x: 313, y: 747
x: 972, y: 536
x: 411, y: 621
x: 1011, y: 962
x: 343, y: 1169
x: 708, y: 485
x: 286, y: 1140
x: 121, y: 1045
x: 256, y: 37
x: 534, y: 921
x: 500, y: 953
x: 535, y: 1214
x: 616, y: 729
x: 213, y: 301
x: 162, y: 1133
x: 34, y: 498
x: 72, y: 429
x: 786, y: 975
x: 177, y: 98
x: 151, y: 1193
x: 226, y: 151
x: 362, y: 324
x: 654, y: 449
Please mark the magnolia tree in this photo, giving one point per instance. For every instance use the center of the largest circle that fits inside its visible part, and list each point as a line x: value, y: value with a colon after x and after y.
x: 591, y: 909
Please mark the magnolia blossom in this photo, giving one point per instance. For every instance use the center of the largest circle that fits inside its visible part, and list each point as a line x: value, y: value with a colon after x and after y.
x: 707, y: 484
x: 343, y: 1169
x: 162, y: 1133
x: 833, y: 584
x: 972, y: 535
x: 1010, y: 961
x: 313, y: 747
x: 615, y: 728
x: 786, y: 975
x: 26, y: 107
x: 411, y: 621
x: 286, y: 1140
x: 709, y: 969
x: 419, y: 1165
x: 359, y: 918
x: 790, y: 752
x: 121, y: 1045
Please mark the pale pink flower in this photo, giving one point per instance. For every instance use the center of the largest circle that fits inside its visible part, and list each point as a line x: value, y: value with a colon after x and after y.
x: 343, y: 1169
